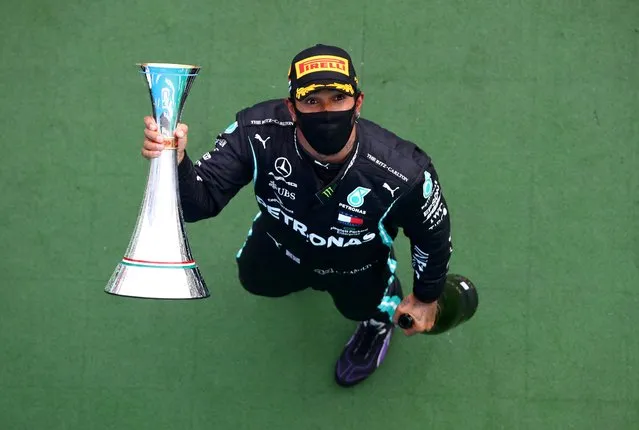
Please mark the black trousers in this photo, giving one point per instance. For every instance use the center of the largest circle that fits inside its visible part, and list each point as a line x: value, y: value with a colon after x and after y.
x: 265, y: 268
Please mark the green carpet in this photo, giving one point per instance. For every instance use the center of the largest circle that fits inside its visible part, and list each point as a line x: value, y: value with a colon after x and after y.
x: 530, y: 112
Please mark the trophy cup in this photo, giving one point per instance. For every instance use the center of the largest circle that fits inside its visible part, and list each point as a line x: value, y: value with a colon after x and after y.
x: 158, y: 263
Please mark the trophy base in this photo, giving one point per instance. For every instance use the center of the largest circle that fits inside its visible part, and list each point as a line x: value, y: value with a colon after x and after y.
x: 163, y: 283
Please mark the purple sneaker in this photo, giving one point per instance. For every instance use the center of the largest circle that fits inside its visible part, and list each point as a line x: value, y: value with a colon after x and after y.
x: 363, y: 353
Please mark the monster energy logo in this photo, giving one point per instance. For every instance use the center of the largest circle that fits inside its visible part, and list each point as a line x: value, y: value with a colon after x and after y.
x: 328, y: 192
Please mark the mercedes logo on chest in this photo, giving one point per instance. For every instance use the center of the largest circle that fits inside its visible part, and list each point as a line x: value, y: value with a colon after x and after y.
x: 283, y: 167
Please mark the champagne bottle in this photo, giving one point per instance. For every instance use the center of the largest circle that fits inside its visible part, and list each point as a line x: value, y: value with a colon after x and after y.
x: 456, y: 305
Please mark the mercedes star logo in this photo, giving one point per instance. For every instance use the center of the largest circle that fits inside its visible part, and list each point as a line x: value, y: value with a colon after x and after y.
x: 283, y: 167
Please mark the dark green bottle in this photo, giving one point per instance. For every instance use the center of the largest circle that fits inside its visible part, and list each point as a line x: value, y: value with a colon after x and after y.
x: 457, y: 304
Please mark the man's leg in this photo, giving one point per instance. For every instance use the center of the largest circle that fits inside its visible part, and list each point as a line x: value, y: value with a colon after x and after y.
x: 369, y: 299
x: 265, y: 268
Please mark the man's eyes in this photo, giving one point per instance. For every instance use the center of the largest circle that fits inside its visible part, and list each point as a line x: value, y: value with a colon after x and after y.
x: 335, y: 99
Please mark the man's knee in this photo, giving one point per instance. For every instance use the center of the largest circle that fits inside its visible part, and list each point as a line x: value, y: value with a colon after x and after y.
x: 265, y: 284
x: 263, y: 289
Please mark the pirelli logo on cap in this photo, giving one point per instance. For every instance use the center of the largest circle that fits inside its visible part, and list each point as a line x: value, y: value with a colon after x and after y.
x: 321, y: 63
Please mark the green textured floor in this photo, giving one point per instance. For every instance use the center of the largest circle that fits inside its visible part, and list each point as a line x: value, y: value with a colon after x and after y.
x: 530, y: 110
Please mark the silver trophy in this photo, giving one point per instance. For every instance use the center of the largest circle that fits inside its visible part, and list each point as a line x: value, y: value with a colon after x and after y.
x: 158, y: 263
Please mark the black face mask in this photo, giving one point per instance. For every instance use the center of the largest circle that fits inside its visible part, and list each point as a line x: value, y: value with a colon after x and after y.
x: 327, y: 132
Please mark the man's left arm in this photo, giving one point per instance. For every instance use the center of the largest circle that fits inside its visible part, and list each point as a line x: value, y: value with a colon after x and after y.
x: 424, y: 217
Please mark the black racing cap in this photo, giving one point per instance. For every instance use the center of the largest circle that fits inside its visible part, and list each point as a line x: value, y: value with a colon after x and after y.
x: 322, y: 67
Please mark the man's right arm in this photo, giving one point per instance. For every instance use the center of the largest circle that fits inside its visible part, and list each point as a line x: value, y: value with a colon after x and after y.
x: 207, y: 185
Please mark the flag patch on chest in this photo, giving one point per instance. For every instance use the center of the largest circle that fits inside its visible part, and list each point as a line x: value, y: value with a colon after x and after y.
x: 349, y: 220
